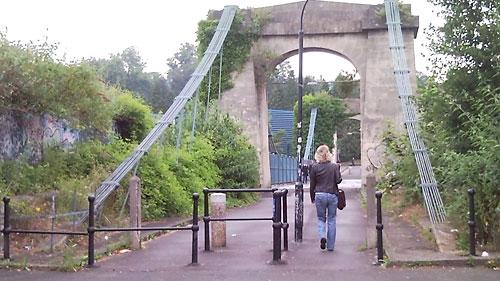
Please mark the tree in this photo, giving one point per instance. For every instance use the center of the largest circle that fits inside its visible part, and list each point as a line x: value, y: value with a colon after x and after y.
x: 331, y: 113
x: 126, y: 70
x: 460, y: 109
x: 34, y: 84
x: 349, y: 140
x: 282, y: 87
x: 160, y: 97
x: 466, y: 52
x: 346, y: 86
x: 181, y: 66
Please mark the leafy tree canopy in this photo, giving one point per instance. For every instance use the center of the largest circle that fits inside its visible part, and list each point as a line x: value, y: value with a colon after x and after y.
x: 282, y: 87
x: 331, y: 113
x: 181, y: 66
x: 32, y: 81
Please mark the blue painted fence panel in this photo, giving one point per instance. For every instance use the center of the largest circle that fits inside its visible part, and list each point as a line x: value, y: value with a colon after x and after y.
x: 283, y: 168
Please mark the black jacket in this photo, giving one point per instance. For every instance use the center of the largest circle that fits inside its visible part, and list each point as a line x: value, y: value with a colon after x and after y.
x: 325, y: 177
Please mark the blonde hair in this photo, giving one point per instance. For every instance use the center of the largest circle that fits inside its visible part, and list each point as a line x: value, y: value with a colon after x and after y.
x: 323, y: 154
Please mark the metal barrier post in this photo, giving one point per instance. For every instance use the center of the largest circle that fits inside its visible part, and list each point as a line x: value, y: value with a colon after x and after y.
x: 196, y: 228
x: 379, y: 227
x: 206, y: 219
x: 472, y: 223
x: 299, y: 208
x: 91, y: 231
x: 6, y: 228
x: 285, y: 220
x: 277, y: 227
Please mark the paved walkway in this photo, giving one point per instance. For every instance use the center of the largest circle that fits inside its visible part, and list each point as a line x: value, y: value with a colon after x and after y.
x: 248, y: 253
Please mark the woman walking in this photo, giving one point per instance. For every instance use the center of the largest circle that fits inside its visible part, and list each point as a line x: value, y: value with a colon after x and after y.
x: 324, y: 177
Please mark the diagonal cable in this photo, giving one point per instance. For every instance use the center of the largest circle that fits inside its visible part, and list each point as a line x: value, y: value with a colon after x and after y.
x: 430, y: 191
x: 310, y: 134
x: 112, y: 182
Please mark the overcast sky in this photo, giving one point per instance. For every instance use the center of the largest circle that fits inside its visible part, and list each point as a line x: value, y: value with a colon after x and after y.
x: 156, y: 28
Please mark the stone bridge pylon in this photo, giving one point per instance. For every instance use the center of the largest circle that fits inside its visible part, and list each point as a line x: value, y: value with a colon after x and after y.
x: 356, y: 32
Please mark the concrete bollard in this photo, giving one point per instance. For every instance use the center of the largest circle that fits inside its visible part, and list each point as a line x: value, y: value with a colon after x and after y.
x: 371, y: 211
x: 134, y: 189
x: 217, y: 211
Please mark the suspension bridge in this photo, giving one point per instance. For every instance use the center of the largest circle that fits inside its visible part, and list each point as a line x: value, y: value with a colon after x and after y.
x: 401, y: 74
x: 303, y: 261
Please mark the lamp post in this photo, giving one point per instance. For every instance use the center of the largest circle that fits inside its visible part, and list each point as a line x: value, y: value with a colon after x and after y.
x: 335, y: 148
x: 299, y: 187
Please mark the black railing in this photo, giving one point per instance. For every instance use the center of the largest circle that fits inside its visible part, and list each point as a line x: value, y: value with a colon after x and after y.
x: 92, y: 229
x: 279, y: 218
x: 379, y: 227
x: 472, y: 223
x: 7, y: 230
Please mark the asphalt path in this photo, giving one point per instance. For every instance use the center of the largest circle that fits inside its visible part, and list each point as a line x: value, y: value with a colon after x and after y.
x: 249, y: 252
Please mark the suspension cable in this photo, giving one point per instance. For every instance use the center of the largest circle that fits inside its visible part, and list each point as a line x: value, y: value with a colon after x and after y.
x: 220, y: 70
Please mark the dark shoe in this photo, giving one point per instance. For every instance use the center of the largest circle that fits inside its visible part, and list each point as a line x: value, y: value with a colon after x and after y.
x: 331, y: 250
x: 322, y: 243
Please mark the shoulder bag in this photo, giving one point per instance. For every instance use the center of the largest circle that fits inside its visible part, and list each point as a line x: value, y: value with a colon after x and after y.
x: 341, y: 199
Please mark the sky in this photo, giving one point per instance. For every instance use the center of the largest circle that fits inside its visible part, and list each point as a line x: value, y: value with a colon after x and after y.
x: 156, y: 28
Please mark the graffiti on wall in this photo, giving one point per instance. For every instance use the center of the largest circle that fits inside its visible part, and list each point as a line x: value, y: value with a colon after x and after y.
x: 57, y: 132
x: 375, y: 156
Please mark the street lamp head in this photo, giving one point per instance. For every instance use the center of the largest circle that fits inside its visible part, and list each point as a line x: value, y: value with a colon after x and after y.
x: 302, y: 16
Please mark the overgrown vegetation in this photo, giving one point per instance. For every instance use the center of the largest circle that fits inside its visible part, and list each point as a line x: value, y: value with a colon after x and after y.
x: 400, y: 169
x: 460, y: 111
x: 112, y: 117
x: 219, y: 156
x: 34, y: 83
x: 132, y: 119
x: 245, y: 29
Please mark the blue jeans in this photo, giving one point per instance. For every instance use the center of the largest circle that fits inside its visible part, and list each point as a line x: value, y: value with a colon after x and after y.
x: 326, y: 207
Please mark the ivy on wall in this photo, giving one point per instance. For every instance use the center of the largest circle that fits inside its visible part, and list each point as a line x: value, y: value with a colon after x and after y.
x: 245, y: 30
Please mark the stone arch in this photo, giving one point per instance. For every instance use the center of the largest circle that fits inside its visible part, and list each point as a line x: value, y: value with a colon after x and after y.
x: 294, y: 52
x: 353, y: 104
x: 353, y: 31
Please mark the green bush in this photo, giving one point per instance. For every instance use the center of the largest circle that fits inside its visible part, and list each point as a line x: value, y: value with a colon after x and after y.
x: 170, y: 177
x: 236, y: 158
x: 132, y: 118
x: 458, y: 172
x: 162, y: 193
x: 400, y: 170
x: 57, y: 165
x: 195, y: 168
x: 463, y: 156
